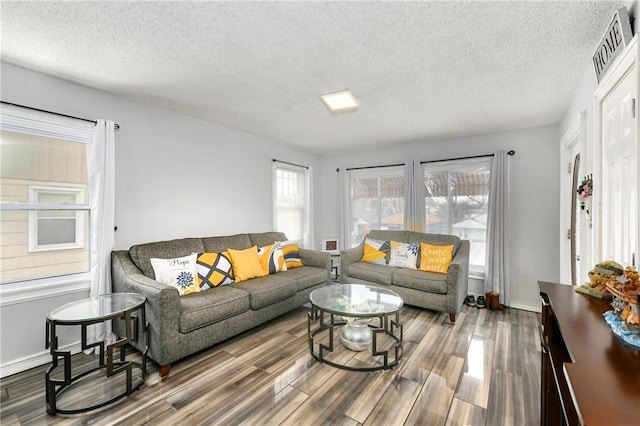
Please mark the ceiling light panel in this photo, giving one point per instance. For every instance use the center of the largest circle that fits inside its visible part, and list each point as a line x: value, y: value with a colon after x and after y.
x: 340, y: 102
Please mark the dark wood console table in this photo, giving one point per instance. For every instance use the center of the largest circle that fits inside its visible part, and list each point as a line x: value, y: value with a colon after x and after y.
x: 589, y: 376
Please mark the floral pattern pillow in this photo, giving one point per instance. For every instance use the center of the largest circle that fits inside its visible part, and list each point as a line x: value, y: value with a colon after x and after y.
x: 404, y: 255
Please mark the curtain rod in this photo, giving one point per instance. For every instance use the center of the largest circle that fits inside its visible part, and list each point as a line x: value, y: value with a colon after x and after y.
x: 512, y: 152
x: 117, y: 126
x: 291, y: 164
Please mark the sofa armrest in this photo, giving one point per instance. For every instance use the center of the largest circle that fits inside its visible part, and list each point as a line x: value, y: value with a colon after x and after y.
x: 347, y: 257
x: 316, y: 258
x: 458, y: 277
x: 162, y: 307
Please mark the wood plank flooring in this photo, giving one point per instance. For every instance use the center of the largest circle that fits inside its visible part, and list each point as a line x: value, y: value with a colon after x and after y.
x: 484, y: 370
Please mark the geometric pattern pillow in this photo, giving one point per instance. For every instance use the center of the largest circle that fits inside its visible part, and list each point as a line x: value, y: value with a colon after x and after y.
x: 375, y: 251
x: 214, y: 269
x: 403, y: 255
x: 435, y: 258
x: 179, y: 272
x: 291, y: 253
x: 272, y: 258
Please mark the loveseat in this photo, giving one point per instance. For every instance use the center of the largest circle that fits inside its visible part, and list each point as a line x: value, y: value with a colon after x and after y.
x: 430, y: 290
x: 182, y: 325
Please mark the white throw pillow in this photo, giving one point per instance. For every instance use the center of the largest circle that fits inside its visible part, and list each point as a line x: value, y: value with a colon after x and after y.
x: 404, y: 255
x: 179, y: 272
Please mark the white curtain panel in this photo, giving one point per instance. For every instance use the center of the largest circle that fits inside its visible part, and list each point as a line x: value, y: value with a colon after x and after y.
x: 102, y: 203
x: 414, y: 193
x: 496, y: 276
x: 308, y: 239
x: 343, y: 209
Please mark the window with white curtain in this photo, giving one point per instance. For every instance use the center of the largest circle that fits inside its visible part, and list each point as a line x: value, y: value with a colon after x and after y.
x: 290, y: 200
x: 457, y: 195
x: 376, y: 201
x: 44, y: 207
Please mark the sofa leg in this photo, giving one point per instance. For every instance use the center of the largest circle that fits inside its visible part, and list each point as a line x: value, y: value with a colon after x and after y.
x: 164, y: 372
x: 452, y: 317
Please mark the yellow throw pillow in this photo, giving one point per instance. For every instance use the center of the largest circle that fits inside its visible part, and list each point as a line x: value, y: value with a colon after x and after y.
x: 435, y: 258
x: 246, y: 264
x: 271, y: 259
x: 375, y: 251
x: 291, y: 253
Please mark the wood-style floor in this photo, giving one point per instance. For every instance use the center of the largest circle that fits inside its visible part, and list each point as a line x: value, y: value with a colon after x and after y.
x: 484, y: 370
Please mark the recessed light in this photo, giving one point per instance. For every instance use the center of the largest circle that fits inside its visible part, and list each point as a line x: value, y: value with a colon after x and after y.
x: 340, y: 102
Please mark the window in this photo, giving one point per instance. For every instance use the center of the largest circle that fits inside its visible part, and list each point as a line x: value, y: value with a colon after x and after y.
x: 44, y: 210
x: 376, y: 202
x: 457, y: 195
x: 290, y: 201
x: 55, y: 229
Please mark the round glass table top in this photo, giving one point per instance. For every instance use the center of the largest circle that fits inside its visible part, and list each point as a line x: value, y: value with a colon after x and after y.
x: 356, y: 299
x: 95, y: 308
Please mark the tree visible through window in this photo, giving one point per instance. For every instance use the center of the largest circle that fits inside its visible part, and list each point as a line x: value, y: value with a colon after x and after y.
x: 377, y: 201
x: 457, y: 195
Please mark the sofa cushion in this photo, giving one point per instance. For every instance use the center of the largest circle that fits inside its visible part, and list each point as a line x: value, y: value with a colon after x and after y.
x: 380, y: 274
x: 307, y: 276
x: 430, y: 282
x: 266, y: 238
x: 264, y: 291
x: 220, y: 244
x: 142, y: 253
x: 208, y: 307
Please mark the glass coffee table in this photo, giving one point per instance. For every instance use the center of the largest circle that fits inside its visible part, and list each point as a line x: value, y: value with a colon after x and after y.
x: 128, y: 307
x: 367, y: 318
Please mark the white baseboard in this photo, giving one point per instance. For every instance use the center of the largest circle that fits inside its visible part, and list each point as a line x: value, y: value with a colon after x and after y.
x: 36, y: 360
x: 526, y: 307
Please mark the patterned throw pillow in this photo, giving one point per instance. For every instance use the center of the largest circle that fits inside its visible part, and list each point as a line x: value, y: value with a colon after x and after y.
x: 271, y: 259
x: 435, y: 258
x: 375, y: 251
x: 404, y: 255
x: 291, y: 252
x: 214, y: 269
x: 246, y: 264
x: 179, y: 272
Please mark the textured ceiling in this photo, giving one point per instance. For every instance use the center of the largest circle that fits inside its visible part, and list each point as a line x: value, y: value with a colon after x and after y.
x: 420, y: 70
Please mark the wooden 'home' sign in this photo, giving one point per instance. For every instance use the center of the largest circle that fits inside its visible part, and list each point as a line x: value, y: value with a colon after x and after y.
x: 616, y: 38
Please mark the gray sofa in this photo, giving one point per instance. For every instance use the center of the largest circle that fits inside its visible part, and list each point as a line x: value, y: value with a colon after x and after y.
x: 180, y: 326
x: 428, y: 290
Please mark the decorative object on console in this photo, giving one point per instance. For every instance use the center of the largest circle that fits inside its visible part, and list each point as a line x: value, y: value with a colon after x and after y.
x: 179, y: 272
x: 403, y: 255
x: 331, y: 246
x: 246, y: 264
x: 435, y: 258
x: 624, y: 319
x: 375, y: 251
x: 214, y: 269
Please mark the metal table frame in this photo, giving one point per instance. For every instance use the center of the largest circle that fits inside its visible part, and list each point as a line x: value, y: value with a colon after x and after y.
x: 388, y: 323
x: 133, y: 324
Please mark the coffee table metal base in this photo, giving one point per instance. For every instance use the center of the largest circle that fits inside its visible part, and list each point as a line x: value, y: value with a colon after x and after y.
x: 388, y: 324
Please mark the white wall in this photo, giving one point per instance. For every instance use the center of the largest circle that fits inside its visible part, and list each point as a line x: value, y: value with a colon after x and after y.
x: 534, y: 196
x: 176, y: 176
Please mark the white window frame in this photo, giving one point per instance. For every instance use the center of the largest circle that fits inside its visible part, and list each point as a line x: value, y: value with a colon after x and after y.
x: 452, y: 166
x: 79, y: 207
x: 302, y: 206
x: 23, y: 120
x: 373, y: 172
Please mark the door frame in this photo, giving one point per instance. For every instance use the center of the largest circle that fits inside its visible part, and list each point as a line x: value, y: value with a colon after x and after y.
x: 574, y: 137
x: 626, y: 63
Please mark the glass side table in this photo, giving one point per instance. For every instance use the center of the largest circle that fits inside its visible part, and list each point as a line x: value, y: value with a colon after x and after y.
x: 128, y: 307
x: 363, y: 314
